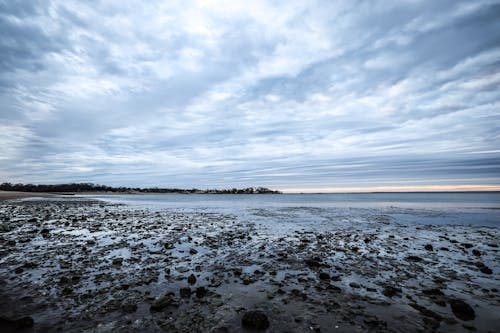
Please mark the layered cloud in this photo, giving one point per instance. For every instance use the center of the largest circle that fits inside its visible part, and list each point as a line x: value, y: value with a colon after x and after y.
x: 285, y: 94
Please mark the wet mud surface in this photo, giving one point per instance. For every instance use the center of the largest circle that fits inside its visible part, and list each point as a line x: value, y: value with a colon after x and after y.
x: 89, y: 266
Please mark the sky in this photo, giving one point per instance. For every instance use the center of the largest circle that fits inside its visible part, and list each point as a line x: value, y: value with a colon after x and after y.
x: 302, y: 95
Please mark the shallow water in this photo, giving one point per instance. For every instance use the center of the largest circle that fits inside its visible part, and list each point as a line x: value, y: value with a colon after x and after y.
x: 471, y: 208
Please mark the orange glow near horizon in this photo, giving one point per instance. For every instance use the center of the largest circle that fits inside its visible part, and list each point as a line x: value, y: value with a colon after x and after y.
x: 422, y: 188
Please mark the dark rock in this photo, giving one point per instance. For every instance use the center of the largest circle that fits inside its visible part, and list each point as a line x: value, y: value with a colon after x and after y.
x: 390, y: 291
x: 467, y: 245
x: 324, y: 276
x: 163, y: 302
x: 414, y: 259
x: 367, y: 240
x: 33, y: 220
x: 354, y: 285
x: 429, y: 247
x: 477, y: 253
x: 19, y: 270
x: 193, y: 251
x: 117, y: 261
x: 483, y: 268
x: 462, y: 310
x: 313, y: 263
x: 185, y: 292
x: 255, y: 320
x: 191, y: 279
x: 201, y: 292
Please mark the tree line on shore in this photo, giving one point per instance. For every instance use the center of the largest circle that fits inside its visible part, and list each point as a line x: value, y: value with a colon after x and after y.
x: 89, y: 187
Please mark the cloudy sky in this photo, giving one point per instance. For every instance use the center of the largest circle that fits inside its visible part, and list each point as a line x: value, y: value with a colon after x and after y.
x: 284, y: 94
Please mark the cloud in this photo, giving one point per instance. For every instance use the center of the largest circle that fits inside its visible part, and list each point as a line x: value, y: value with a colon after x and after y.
x: 275, y: 93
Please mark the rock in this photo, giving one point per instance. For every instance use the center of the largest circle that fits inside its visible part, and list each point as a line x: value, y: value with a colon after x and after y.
x: 324, y: 276
x: 414, y: 259
x: 477, y: 253
x: 313, y: 263
x: 117, y: 261
x: 354, y: 285
x: 191, y: 279
x: 255, y: 320
x: 201, y: 292
x: 483, y: 268
x: 19, y: 270
x: 390, y: 291
x: 462, y: 310
x: 185, y: 292
x: 193, y: 251
x: 467, y: 245
x: 429, y: 247
x: 163, y: 302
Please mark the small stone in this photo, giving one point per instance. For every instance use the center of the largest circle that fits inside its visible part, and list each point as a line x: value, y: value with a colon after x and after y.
x: 313, y: 263
x: 191, y: 279
x: 429, y: 247
x: 193, y: 251
x: 354, y: 285
x: 414, y: 259
x: 117, y: 261
x: 462, y: 310
x: 162, y: 303
x: 201, y: 292
x: 185, y: 292
x: 255, y: 320
x: 477, y: 253
x: 483, y: 268
x: 390, y: 291
x: 324, y: 276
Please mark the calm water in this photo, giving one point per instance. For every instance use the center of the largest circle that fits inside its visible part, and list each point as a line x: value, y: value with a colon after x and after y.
x: 434, y: 208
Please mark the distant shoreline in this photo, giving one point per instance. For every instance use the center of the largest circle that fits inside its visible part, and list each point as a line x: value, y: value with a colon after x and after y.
x: 12, y: 195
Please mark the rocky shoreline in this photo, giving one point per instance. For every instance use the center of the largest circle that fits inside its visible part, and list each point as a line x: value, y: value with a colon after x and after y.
x: 72, y: 265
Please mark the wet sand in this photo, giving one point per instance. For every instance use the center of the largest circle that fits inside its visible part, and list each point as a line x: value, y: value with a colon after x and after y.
x: 10, y: 195
x: 87, y: 266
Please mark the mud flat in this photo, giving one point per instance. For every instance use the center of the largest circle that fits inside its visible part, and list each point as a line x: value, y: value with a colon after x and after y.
x: 88, y: 266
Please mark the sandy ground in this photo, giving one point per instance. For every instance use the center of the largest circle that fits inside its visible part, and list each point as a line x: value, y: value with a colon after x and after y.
x: 87, y: 266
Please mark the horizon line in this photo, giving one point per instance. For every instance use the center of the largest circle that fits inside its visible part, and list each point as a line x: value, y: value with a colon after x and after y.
x: 396, y: 189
